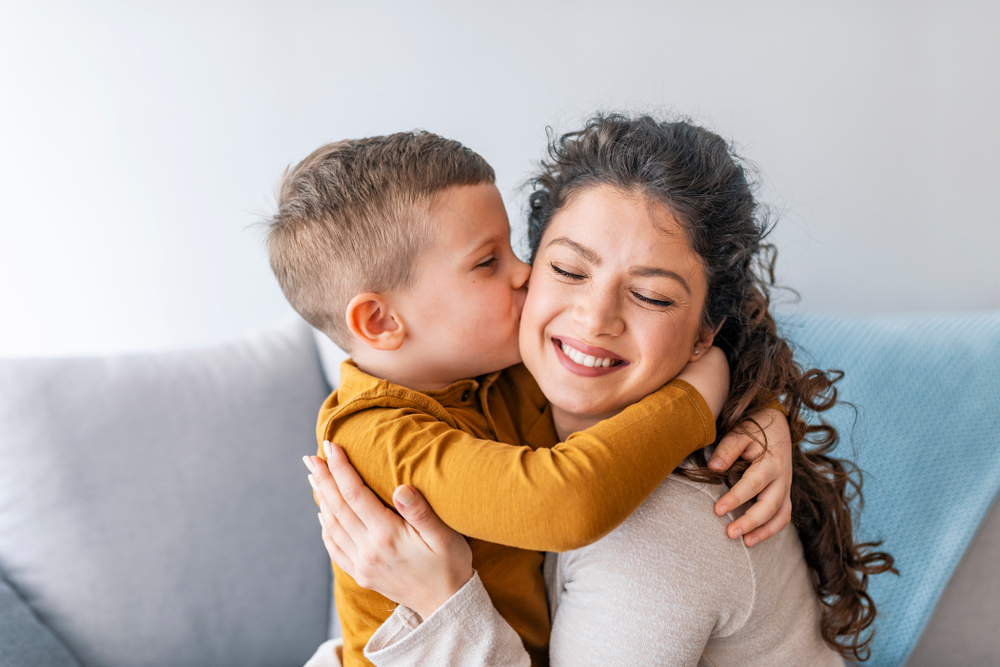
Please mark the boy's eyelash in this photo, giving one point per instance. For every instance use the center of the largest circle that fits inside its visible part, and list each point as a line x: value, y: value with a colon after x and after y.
x: 487, y: 263
x: 564, y: 273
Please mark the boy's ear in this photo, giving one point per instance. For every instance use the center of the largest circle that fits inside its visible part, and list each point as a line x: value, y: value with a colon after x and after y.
x: 706, y: 337
x: 371, y: 318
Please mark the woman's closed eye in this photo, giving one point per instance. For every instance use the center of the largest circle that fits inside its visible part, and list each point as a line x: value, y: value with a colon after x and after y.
x: 566, y: 274
x: 659, y: 303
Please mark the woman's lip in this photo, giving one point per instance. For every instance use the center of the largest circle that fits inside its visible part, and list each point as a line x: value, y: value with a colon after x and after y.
x: 593, y: 351
x: 584, y: 371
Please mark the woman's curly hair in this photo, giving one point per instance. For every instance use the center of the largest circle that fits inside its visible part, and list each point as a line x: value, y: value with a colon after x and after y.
x: 697, y: 176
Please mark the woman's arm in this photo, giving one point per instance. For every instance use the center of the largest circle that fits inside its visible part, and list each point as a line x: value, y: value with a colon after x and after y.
x: 380, y: 549
x: 417, y: 561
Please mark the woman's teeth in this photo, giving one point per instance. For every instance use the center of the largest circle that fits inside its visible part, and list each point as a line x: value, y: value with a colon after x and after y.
x: 585, y: 359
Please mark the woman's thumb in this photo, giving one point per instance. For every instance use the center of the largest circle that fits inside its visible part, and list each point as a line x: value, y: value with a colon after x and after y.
x: 413, y: 507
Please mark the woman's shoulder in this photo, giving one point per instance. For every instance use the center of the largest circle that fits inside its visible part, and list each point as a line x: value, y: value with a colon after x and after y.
x: 673, y: 548
x: 675, y: 529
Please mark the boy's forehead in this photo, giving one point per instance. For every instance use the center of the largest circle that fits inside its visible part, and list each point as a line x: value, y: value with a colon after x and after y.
x: 468, y: 217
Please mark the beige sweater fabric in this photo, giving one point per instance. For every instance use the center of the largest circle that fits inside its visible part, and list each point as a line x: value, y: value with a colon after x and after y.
x: 667, y: 587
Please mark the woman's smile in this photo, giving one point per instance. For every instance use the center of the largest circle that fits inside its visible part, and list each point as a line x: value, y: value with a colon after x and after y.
x: 586, y: 360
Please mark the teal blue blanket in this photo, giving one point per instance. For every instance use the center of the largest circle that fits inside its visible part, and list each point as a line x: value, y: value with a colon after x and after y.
x: 927, y: 435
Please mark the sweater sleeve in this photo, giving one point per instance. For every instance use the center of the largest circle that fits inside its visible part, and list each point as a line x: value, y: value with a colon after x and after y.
x: 544, y: 499
x: 466, y: 631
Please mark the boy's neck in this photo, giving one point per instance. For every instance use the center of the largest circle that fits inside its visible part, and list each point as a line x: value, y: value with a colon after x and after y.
x: 396, y: 373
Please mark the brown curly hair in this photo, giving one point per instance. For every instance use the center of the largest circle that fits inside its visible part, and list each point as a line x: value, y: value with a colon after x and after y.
x: 698, y: 176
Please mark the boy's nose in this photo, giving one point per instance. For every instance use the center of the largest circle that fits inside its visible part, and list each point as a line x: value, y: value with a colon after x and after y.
x: 520, y: 273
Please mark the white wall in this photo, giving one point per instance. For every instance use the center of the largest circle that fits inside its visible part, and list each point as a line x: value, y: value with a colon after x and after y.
x: 138, y: 143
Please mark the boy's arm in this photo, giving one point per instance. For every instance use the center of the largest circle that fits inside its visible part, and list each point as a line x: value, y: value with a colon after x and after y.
x: 546, y: 499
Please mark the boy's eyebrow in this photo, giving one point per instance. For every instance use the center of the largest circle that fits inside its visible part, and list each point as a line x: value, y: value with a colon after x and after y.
x: 652, y: 271
x: 491, y: 240
x: 581, y: 250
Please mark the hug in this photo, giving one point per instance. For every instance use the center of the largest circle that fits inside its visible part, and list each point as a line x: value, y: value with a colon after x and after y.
x: 573, y: 410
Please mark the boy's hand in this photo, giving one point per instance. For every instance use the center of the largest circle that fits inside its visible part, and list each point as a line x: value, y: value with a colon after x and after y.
x: 769, y: 477
x: 710, y: 376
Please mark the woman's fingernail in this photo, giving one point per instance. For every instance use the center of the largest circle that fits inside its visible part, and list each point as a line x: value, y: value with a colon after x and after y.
x: 326, y: 448
x: 309, y: 464
x: 312, y: 483
x: 319, y: 515
x: 405, y: 496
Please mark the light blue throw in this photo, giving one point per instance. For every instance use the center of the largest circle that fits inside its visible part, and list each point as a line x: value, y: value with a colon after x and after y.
x: 931, y: 452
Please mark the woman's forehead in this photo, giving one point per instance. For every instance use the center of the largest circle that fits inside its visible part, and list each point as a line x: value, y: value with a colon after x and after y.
x: 609, y: 216
x: 605, y: 226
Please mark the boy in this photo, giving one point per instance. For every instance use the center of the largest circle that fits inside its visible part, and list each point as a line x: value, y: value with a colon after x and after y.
x: 398, y: 248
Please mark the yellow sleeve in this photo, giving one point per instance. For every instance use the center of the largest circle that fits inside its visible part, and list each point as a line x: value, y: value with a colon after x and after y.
x: 545, y: 499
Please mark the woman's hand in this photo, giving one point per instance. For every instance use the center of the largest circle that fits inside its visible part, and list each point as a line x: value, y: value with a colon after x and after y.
x: 769, y: 477
x: 416, y: 560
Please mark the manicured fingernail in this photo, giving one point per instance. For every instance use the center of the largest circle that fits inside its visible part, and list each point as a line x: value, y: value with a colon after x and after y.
x: 309, y: 464
x: 326, y: 448
x: 319, y: 515
x: 312, y: 483
x: 405, y: 496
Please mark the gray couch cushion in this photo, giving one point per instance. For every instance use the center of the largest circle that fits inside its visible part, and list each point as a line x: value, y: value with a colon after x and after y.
x: 24, y: 640
x: 154, y: 508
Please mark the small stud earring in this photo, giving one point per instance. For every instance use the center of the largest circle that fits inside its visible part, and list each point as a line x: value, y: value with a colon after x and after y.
x: 697, y: 352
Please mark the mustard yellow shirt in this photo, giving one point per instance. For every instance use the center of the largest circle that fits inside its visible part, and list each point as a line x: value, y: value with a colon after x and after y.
x: 485, y: 454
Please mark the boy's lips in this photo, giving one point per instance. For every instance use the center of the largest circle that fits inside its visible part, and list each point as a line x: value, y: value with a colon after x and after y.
x: 586, y: 360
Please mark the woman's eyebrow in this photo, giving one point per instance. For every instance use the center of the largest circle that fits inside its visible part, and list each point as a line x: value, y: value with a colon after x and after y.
x: 581, y: 250
x: 652, y: 271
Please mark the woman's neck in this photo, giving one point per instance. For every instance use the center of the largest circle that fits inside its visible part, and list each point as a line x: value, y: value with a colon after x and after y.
x: 567, y: 423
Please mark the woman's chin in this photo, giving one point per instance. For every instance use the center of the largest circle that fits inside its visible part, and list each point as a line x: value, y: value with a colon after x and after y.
x: 583, y: 407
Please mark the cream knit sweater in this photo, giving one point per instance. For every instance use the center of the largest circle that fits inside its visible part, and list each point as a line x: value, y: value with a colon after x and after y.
x: 667, y: 587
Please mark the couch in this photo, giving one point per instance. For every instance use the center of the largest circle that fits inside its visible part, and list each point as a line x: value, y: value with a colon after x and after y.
x: 154, y: 508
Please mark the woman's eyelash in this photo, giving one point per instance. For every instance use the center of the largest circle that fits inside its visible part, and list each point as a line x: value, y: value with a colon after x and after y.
x: 654, y: 302
x: 564, y: 273
x: 645, y: 299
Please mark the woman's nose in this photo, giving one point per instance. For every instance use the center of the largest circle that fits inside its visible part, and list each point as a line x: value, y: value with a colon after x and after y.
x: 597, y: 313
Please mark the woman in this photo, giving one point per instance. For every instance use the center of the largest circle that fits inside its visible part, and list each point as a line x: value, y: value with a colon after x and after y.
x: 645, y: 236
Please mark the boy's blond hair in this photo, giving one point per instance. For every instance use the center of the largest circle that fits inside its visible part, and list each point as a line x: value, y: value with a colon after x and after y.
x: 354, y: 216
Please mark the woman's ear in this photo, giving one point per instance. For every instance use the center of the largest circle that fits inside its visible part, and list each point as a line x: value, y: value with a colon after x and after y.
x: 706, y: 337
x: 372, y: 320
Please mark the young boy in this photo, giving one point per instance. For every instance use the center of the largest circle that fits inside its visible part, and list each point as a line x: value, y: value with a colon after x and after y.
x: 398, y: 248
